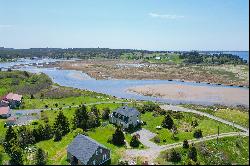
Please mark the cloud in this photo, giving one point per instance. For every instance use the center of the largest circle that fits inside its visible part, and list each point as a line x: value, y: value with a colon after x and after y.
x: 5, y: 26
x: 165, y: 16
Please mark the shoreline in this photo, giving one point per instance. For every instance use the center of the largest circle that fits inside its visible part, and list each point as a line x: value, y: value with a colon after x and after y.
x: 216, y: 95
x: 227, y: 75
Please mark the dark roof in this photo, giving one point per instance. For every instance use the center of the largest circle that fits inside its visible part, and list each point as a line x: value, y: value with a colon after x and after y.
x: 127, y: 111
x: 83, y: 148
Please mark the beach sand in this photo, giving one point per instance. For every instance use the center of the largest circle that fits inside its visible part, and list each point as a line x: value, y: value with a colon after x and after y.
x: 216, y: 95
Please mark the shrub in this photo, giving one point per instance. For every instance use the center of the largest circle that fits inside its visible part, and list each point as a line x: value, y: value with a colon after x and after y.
x: 105, y: 114
x: 192, y: 154
x: 174, y: 156
x: 197, y: 133
x: 157, y: 139
x: 194, y: 123
x: 185, y: 144
x: 123, y: 162
x: 78, y: 131
x: 58, y: 136
x: 135, y: 141
x: 118, y: 137
x: 168, y: 122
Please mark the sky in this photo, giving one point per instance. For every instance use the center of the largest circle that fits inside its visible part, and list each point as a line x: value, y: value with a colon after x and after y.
x: 134, y: 24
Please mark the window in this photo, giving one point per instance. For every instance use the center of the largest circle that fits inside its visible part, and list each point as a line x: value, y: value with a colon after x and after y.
x: 94, y: 162
x: 100, y: 150
x: 104, y: 157
x: 96, y: 152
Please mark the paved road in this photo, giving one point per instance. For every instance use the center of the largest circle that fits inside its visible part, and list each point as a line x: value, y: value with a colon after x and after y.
x: 182, y: 109
x: 152, y: 153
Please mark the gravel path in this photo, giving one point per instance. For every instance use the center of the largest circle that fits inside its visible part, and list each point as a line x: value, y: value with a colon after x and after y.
x: 182, y: 109
x: 154, y: 150
x: 152, y: 153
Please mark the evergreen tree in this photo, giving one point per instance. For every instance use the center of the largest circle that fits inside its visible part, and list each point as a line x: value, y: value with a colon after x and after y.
x: 135, y: 141
x: 16, y: 153
x: 91, y: 123
x: 25, y: 137
x: 96, y: 112
x: 48, y: 132
x: 105, y: 114
x: 80, y: 118
x: 175, y: 156
x: 118, y: 137
x: 58, y: 135
x: 197, y: 133
x: 62, y: 124
x: 193, y: 153
x: 168, y: 122
x: 185, y: 144
x: 40, y: 157
x: 10, y: 135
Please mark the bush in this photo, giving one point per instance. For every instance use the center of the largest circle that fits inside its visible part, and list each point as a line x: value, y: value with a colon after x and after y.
x: 168, y: 122
x: 105, y: 114
x: 185, y: 144
x: 135, y: 141
x: 58, y: 136
x: 174, y: 156
x: 157, y: 139
x: 192, y: 154
x: 118, y: 137
x: 122, y: 162
x: 194, y: 123
x: 198, y: 133
x: 78, y: 131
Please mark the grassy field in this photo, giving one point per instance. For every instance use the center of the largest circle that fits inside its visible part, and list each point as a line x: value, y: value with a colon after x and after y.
x: 229, y: 150
x: 23, y: 82
x: 185, y: 130
x: 169, y: 58
x: 236, y: 115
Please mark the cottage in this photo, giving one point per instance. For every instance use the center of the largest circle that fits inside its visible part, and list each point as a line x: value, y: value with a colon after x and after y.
x: 5, y: 112
x: 13, y: 99
x: 125, y: 116
x: 85, y: 151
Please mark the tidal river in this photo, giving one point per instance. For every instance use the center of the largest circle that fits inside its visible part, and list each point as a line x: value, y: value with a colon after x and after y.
x: 120, y: 88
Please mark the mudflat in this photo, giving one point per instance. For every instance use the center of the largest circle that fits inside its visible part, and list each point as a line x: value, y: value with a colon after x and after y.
x: 139, y: 70
x: 217, y: 95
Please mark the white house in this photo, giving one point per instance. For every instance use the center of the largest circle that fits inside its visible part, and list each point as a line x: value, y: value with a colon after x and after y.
x: 124, y: 116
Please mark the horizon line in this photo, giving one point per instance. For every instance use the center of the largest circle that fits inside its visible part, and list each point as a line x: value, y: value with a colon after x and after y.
x: 120, y: 49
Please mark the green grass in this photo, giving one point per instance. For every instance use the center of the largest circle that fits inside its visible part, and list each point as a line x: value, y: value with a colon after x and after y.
x: 226, y: 147
x: 207, y: 126
x: 235, y: 115
x: 57, y: 150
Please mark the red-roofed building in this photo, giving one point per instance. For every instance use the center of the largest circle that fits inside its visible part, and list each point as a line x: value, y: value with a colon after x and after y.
x: 5, y: 112
x: 13, y: 99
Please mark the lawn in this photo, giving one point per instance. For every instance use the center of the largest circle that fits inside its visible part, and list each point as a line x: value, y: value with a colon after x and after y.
x: 235, y: 115
x: 229, y: 150
x: 207, y: 126
x: 57, y: 150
